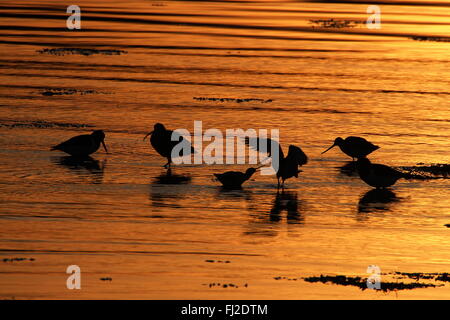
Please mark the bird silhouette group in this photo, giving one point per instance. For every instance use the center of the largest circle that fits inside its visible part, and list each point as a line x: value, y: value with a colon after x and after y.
x: 162, y: 140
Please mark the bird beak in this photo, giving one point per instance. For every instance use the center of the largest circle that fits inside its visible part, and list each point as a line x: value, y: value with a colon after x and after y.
x: 258, y: 168
x: 329, y: 148
x: 104, y: 146
x: 147, y: 135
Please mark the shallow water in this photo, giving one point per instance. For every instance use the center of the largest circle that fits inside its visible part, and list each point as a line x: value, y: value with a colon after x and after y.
x: 119, y: 216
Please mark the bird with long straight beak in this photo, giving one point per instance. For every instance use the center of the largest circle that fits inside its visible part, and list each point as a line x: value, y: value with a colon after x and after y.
x: 161, y: 141
x: 83, y: 145
x: 355, y: 147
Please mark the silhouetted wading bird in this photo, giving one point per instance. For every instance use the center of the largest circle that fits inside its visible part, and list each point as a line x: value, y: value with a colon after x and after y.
x: 83, y: 145
x: 234, y: 179
x: 161, y: 141
x: 377, y: 175
x: 355, y: 147
x: 287, y: 166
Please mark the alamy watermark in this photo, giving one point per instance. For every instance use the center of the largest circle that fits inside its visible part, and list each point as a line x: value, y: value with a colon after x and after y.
x: 229, y: 148
x: 374, y: 280
x: 74, y: 20
x: 374, y: 21
x: 74, y: 280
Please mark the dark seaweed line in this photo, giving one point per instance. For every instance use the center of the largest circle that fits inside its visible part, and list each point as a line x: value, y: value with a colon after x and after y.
x: 82, y: 51
x: 229, y: 55
x: 362, y: 283
x: 227, y: 84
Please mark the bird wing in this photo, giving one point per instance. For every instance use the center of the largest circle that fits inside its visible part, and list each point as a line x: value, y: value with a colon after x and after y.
x: 78, y: 141
x: 257, y: 144
x: 297, y: 154
x: 383, y: 170
x: 230, y: 177
x: 358, y: 142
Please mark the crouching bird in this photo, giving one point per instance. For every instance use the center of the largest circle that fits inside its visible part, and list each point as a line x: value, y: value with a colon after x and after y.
x: 234, y: 179
x: 355, y: 147
x: 161, y: 141
x: 83, y: 145
x: 377, y: 175
x: 287, y: 166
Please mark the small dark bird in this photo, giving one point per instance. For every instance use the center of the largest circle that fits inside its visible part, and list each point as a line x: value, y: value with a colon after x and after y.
x: 288, y: 166
x: 83, y: 145
x: 161, y: 141
x: 234, y: 179
x: 377, y: 175
x: 355, y: 147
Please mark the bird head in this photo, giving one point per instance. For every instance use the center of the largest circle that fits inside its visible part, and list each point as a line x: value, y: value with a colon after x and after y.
x: 158, y: 127
x: 99, y: 135
x: 337, y: 142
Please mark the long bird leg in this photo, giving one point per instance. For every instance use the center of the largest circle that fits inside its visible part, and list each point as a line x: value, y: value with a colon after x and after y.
x: 278, y: 187
x: 167, y: 165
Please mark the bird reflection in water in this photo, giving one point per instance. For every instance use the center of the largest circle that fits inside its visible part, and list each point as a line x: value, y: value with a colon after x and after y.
x: 349, y: 169
x: 168, y: 177
x: 168, y: 188
x: 266, y: 221
x: 83, y: 165
x: 377, y: 200
x: 234, y: 194
x: 288, y: 201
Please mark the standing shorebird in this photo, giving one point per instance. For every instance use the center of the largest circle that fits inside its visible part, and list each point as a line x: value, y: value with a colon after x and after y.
x: 83, y: 145
x: 355, y: 147
x: 234, y: 179
x: 287, y: 166
x: 161, y: 141
x: 377, y: 175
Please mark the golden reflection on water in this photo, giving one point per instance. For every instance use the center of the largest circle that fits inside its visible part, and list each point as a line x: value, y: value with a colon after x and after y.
x: 122, y: 215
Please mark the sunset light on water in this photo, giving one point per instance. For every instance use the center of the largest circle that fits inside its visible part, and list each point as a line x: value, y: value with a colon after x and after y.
x: 309, y: 71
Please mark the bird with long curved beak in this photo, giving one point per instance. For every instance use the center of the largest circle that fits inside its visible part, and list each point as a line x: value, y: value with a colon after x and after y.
x: 83, y: 145
x: 161, y: 141
x: 355, y: 147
